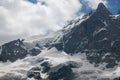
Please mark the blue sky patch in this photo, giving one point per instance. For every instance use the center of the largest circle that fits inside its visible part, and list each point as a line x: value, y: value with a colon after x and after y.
x: 113, y: 6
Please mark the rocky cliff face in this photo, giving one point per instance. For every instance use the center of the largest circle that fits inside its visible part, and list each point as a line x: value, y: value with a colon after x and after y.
x: 17, y: 50
x: 97, y: 36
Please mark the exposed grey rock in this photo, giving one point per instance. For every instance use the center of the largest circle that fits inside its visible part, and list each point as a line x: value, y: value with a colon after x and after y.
x: 98, y: 34
x: 34, y: 73
x: 16, y: 50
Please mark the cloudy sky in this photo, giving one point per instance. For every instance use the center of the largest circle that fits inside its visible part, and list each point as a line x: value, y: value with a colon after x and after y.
x: 24, y: 18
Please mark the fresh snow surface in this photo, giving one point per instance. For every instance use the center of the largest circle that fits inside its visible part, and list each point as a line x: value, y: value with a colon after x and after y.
x: 105, y: 23
x: 76, y: 22
x: 54, y: 37
x: 54, y: 57
x: 115, y: 16
x: 30, y: 42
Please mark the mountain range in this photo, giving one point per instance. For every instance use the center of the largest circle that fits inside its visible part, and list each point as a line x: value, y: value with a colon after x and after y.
x: 95, y: 35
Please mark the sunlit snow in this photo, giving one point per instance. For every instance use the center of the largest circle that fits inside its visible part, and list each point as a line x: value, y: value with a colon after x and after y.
x: 85, y: 69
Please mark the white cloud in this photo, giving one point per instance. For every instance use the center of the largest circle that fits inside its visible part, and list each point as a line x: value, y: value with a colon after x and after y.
x: 94, y: 3
x: 20, y: 18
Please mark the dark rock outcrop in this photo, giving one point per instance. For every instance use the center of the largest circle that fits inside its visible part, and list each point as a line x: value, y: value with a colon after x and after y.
x: 117, y: 78
x: 46, y: 67
x: 16, y: 50
x: 64, y: 73
x: 34, y: 73
x: 13, y: 50
x: 96, y: 36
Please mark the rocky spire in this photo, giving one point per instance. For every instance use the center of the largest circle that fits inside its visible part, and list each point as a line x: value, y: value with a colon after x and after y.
x: 102, y: 11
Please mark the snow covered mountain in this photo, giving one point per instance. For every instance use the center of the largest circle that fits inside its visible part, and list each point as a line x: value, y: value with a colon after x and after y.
x: 88, y: 48
x: 97, y: 36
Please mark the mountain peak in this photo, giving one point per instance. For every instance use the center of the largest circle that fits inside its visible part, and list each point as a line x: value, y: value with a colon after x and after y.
x: 101, y: 12
x: 101, y: 9
x: 101, y: 5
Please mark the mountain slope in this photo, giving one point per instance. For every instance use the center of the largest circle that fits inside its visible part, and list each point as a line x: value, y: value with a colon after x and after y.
x: 92, y: 40
x: 96, y: 36
x: 55, y: 65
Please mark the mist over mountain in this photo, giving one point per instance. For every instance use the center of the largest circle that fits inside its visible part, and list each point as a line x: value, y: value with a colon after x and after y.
x: 87, y: 48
